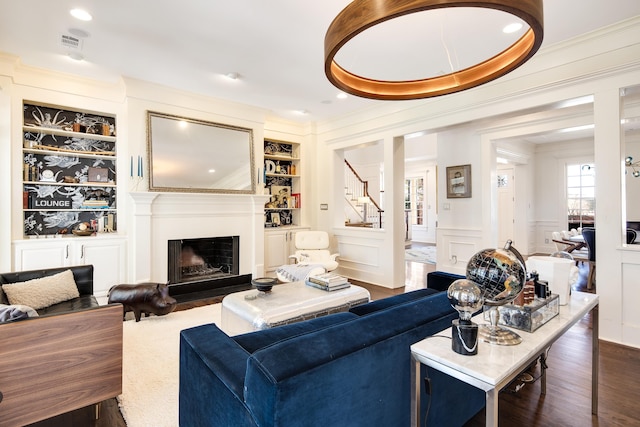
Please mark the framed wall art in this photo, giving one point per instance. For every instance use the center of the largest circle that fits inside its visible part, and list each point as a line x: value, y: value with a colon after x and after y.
x: 458, y: 182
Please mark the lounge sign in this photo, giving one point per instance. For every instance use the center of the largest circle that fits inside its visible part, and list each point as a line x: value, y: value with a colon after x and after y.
x: 55, y: 202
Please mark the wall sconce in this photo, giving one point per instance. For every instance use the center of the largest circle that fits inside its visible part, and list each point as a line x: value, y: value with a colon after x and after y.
x: 628, y: 162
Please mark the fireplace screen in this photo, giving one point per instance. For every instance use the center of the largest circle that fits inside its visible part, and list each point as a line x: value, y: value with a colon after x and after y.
x: 192, y: 260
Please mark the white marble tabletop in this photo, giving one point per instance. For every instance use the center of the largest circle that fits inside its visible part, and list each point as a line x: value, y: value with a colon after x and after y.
x: 494, y: 365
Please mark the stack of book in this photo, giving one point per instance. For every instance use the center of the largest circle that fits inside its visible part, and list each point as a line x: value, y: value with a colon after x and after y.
x: 95, y: 204
x: 328, y: 281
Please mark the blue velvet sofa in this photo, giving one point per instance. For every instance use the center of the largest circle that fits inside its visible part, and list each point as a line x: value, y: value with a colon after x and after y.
x: 345, y: 369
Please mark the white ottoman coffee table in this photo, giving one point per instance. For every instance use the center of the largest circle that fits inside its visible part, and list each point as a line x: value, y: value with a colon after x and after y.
x: 251, y: 310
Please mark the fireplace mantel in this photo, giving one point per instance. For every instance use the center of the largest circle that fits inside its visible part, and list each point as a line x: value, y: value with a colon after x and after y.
x: 158, y: 217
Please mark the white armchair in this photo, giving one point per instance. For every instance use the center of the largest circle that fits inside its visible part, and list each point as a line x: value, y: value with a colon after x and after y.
x: 312, y: 247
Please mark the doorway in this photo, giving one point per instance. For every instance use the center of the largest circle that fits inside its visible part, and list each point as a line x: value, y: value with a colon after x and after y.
x: 506, y: 204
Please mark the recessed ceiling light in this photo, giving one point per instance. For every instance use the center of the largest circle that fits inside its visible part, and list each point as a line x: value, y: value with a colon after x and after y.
x: 301, y: 112
x: 232, y: 76
x: 81, y: 14
x: 76, y: 56
x: 512, y: 28
x: 341, y: 95
x: 212, y: 170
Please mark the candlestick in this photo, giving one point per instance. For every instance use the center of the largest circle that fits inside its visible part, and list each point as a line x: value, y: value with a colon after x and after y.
x: 139, y: 166
x: 131, y: 168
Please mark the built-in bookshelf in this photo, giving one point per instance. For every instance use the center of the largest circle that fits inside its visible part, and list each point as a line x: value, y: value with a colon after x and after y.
x: 282, y: 179
x: 69, y: 170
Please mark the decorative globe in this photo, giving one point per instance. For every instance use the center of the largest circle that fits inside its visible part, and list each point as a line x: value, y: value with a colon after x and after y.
x: 500, y: 274
x: 466, y: 297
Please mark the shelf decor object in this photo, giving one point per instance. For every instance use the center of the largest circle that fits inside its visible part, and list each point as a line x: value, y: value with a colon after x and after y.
x: 360, y: 15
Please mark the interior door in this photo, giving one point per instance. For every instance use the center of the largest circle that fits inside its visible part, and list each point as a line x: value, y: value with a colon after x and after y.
x: 506, y: 202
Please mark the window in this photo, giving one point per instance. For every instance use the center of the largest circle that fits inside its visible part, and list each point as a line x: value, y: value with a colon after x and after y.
x: 581, y: 195
x: 414, y: 199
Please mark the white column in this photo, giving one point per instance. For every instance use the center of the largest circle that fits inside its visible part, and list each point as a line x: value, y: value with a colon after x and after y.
x: 394, y: 208
x: 140, y: 243
x: 609, y: 173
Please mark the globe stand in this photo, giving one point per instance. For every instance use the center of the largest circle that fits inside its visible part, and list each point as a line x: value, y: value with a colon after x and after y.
x: 495, y: 334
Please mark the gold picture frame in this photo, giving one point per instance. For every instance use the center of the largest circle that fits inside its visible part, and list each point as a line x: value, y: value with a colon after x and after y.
x: 459, y: 182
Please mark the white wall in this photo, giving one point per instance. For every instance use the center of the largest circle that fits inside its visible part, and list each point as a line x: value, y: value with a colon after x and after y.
x: 551, y: 184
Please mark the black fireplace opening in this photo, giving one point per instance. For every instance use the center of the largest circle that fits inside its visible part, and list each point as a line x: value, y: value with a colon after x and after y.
x: 203, y: 259
x: 205, y: 268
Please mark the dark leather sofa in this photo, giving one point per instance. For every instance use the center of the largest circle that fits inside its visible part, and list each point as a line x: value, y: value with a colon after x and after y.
x: 67, y: 358
x: 82, y: 275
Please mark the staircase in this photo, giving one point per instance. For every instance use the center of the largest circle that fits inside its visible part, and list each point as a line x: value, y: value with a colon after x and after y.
x: 361, y: 210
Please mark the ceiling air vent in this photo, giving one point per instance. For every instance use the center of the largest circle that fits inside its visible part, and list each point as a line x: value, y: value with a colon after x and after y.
x: 71, y: 42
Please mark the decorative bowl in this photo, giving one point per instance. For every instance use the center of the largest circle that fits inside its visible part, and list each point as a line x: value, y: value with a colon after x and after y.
x: 264, y: 284
x: 82, y: 232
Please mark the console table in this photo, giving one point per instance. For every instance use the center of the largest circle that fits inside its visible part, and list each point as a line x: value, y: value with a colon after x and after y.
x: 495, y: 366
x: 251, y: 310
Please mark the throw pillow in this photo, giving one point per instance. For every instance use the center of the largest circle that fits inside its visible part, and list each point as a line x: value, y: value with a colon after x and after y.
x: 42, y: 292
x: 9, y: 313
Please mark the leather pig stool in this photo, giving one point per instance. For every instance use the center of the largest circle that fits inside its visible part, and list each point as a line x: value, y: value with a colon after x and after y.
x: 147, y: 298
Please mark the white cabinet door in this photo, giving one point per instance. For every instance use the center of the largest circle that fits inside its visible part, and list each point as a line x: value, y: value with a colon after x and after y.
x: 108, y: 259
x: 37, y: 254
x: 279, y: 244
x: 276, y: 245
x: 106, y: 254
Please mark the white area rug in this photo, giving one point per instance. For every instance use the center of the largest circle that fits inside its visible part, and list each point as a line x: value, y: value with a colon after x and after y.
x: 424, y: 254
x: 151, y: 365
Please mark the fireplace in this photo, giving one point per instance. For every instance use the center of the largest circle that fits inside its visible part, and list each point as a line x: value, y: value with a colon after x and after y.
x: 203, y: 259
x: 161, y: 217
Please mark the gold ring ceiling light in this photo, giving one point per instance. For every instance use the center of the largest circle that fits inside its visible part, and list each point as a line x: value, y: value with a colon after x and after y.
x: 360, y: 15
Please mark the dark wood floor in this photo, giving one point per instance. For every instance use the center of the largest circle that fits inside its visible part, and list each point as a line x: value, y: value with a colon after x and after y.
x: 568, y: 399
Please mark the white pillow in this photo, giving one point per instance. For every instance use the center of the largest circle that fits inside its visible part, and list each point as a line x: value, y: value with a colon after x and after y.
x: 42, y: 292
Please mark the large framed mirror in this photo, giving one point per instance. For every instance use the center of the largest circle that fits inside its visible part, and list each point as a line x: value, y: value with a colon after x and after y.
x: 190, y: 155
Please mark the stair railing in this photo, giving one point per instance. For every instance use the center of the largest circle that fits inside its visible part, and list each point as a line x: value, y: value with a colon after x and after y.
x: 356, y: 189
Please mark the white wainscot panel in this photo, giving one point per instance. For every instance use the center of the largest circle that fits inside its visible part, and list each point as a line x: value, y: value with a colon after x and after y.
x: 544, y: 241
x: 363, y: 255
x: 630, y: 298
x: 359, y: 253
x: 456, y: 247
